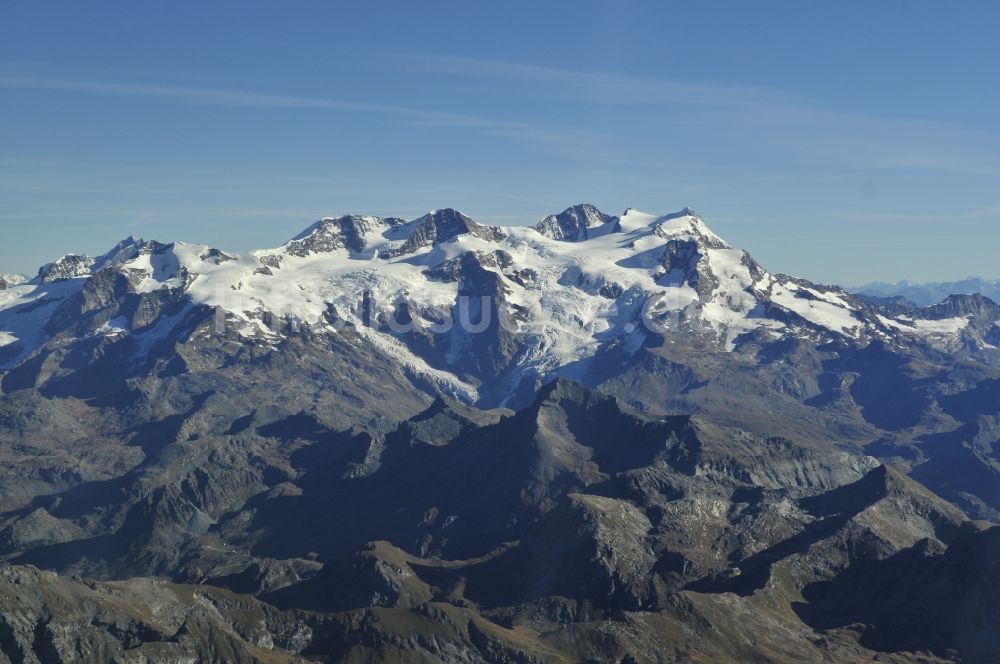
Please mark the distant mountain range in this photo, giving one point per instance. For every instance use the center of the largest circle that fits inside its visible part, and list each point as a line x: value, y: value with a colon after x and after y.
x: 7, y: 280
x: 601, y: 438
x: 926, y: 294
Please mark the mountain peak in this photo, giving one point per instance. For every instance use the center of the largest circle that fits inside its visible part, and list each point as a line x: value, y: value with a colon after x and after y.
x: 564, y: 390
x: 445, y: 216
x: 683, y: 213
x: 577, y: 223
x: 69, y: 266
x: 352, y: 232
x: 8, y: 280
x: 442, y: 225
x: 328, y: 225
x: 687, y: 223
x: 124, y: 251
x: 961, y: 304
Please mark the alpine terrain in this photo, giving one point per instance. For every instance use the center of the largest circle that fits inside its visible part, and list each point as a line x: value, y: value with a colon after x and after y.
x: 603, y: 438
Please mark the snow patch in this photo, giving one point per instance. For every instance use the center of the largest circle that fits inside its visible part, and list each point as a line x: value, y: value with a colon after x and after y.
x: 113, y: 328
x: 945, y: 326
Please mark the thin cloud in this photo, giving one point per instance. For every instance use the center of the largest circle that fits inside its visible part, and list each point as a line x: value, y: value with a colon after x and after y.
x: 190, y: 96
x: 770, y: 117
x: 598, y: 86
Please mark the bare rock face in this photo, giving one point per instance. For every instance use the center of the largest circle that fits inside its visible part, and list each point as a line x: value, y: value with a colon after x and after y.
x: 601, y: 546
x: 522, y: 536
x: 38, y: 528
x: 122, y: 252
x: 577, y: 223
x: 65, y: 620
x: 440, y: 226
x: 890, y: 598
x: 348, y: 232
x: 67, y: 267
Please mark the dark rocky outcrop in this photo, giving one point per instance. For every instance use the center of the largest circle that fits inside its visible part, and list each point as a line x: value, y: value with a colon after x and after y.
x: 440, y: 226
x: 577, y: 223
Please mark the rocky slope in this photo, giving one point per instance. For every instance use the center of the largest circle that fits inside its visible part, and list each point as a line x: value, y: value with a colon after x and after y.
x: 574, y: 530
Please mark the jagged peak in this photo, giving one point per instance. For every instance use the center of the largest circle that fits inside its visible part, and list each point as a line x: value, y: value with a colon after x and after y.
x: 336, y: 224
x: 69, y: 266
x: 448, y: 406
x: 69, y: 258
x: 440, y: 226
x: 969, y: 298
x: 12, y: 279
x: 685, y: 219
x: 441, y: 404
x: 322, y: 225
x: 562, y: 389
x: 588, y: 207
x: 349, y: 232
x: 576, y: 223
x: 124, y: 251
x: 684, y: 212
x: 686, y: 222
x: 446, y: 215
x: 584, y: 209
x: 311, y: 229
x: 127, y: 241
x: 884, y: 483
x: 960, y: 304
x: 150, y: 247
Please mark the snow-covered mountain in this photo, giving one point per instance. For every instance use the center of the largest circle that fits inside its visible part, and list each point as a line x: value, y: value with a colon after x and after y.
x: 652, y: 421
x: 7, y: 280
x: 463, y: 303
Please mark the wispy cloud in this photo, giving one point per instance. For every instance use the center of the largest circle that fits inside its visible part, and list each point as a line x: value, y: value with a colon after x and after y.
x: 194, y: 96
x: 62, y: 217
x: 769, y: 118
x: 599, y: 87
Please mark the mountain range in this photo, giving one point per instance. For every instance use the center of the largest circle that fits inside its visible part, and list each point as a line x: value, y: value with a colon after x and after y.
x: 926, y: 294
x: 601, y: 438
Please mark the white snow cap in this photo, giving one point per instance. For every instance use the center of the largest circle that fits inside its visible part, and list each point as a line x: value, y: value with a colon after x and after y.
x: 578, y: 281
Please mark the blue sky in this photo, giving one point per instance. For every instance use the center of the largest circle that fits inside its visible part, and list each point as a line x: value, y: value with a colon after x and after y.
x: 842, y: 142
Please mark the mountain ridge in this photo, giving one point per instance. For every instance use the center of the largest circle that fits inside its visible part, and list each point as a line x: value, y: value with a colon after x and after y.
x: 931, y: 292
x: 602, y: 281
